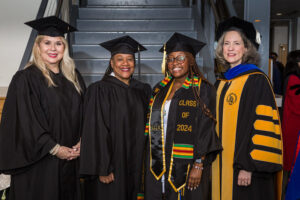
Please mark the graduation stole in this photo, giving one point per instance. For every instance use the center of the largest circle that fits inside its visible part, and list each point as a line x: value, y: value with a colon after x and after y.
x: 155, y: 129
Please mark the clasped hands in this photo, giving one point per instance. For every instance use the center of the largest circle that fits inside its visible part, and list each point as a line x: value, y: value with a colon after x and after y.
x: 66, y: 153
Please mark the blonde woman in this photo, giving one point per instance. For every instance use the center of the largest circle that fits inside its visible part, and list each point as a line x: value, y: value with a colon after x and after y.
x: 40, y: 126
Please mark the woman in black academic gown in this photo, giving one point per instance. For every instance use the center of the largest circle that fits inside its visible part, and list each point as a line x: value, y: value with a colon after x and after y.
x: 113, y: 129
x: 181, y: 127
x: 41, y: 120
x: 248, y: 122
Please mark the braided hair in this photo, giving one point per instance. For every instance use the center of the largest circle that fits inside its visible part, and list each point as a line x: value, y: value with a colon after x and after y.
x: 194, y: 71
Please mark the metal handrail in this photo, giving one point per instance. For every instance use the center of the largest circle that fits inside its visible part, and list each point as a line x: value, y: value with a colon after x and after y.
x: 230, y: 8
x: 216, y: 14
x: 207, y: 15
x: 58, y: 8
x: 33, y: 34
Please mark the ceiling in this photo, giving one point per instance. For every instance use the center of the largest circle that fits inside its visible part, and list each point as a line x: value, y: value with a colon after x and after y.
x: 289, y: 9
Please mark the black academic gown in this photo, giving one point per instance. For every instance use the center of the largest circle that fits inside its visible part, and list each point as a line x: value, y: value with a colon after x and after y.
x: 202, y: 136
x: 249, y: 128
x: 113, y: 138
x: 35, y: 118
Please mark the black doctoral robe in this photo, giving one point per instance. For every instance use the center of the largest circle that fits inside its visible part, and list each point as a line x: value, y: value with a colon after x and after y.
x: 199, y: 134
x: 249, y: 128
x: 113, y: 138
x: 35, y: 118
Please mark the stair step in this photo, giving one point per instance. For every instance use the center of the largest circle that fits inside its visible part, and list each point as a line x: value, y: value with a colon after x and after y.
x: 150, y: 22
x: 134, y: 13
x: 96, y: 51
x: 141, y: 37
x: 134, y: 25
x: 148, y: 66
x: 134, y: 2
x: 151, y: 79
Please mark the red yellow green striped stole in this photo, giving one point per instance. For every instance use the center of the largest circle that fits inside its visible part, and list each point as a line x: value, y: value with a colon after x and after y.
x: 183, y: 151
x: 140, y: 196
x: 187, y: 83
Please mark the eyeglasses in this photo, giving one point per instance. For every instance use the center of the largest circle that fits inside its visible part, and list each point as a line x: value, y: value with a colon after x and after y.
x: 179, y: 59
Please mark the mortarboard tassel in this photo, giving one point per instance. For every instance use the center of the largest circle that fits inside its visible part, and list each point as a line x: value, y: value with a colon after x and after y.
x: 3, y: 195
x: 163, y: 64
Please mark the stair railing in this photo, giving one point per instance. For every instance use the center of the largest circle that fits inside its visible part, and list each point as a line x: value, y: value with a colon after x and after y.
x: 207, y: 14
x: 222, y: 9
x: 59, y: 8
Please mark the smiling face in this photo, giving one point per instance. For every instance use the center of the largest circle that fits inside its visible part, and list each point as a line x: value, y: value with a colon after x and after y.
x: 123, y: 66
x: 51, y: 50
x: 178, y: 64
x: 233, y: 48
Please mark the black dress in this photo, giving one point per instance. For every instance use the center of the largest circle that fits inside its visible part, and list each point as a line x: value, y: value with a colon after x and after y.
x: 113, y: 138
x: 35, y: 118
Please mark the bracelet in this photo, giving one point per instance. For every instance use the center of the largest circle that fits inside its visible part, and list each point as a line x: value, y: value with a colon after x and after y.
x: 54, y: 150
x: 198, y: 167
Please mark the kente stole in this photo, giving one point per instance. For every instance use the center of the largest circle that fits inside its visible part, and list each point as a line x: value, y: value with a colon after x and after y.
x: 182, y: 148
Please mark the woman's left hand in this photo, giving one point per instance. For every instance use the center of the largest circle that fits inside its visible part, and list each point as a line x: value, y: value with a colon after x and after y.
x: 244, y: 178
x: 195, y: 176
x: 76, y: 147
x: 76, y: 151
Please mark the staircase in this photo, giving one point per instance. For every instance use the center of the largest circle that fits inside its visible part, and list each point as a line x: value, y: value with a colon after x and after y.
x: 150, y: 22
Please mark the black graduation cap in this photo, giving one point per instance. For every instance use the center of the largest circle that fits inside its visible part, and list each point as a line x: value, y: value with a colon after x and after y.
x: 234, y: 22
x: 51, y: 26
x: 179, y: 42
x: 124, y: 44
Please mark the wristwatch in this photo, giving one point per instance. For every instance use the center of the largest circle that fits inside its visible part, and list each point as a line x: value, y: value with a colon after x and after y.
x: 199, y: 161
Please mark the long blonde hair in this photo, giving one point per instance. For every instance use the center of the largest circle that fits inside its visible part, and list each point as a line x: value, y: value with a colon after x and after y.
x: 67, y: 65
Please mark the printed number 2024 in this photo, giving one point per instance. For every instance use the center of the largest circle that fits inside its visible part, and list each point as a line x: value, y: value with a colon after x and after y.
x: 184, y: 128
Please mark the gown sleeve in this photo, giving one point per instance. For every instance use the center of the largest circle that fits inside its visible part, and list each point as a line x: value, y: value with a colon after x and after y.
x: 24, y: 138
x: 207, y: 142
x: 96, y: 149
x: 148, y: 91
x: 258, y: 137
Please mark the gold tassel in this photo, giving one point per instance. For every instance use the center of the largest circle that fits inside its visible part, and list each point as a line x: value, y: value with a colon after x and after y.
x: 163, y: 64
x: 3, y: 195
